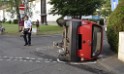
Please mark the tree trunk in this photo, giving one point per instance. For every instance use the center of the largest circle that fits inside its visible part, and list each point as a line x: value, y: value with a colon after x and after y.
x: 17, y: 9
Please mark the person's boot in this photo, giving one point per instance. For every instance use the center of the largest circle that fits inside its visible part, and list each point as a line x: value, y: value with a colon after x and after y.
x: 25, y: 44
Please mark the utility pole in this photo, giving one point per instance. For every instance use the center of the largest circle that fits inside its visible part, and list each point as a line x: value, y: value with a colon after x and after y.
x: 43, y: 12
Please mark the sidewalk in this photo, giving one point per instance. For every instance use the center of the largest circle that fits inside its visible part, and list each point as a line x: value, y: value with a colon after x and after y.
x: 109, y: 59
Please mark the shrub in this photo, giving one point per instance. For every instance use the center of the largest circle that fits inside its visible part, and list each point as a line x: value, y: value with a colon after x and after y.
x: 9, y: 22
x: 15, y: 21
x: 115, y: 25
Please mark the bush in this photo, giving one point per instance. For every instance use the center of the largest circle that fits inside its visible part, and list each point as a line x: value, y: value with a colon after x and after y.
x: 4, y: 20
x: 9, y: 22
x: 15, y: 21
x: 115, y: 25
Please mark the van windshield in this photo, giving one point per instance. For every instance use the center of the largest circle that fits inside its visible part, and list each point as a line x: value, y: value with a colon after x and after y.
x: 97, y: 40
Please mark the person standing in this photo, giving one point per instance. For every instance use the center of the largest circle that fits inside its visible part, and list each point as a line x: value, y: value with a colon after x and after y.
x: 37, y: 25
x: 27, y: 31
x: 21, y: 24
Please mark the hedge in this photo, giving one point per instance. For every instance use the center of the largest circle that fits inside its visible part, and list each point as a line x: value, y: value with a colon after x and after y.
x: 15, y: 21
x: 115, y: 25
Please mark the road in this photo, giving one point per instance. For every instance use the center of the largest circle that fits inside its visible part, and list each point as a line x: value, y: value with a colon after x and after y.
x: 40, y: 58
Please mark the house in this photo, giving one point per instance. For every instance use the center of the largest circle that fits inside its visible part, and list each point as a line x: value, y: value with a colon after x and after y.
x: 38, y: 11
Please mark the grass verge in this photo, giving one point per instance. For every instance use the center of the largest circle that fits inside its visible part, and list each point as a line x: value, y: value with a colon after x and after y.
x: 12, y: 29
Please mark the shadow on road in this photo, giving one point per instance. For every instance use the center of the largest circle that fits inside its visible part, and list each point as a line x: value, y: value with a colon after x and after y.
x: 79, y: 66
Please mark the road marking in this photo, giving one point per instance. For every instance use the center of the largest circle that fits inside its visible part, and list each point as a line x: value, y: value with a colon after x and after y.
x: 4, y: 56
x: 38, y: 61
x: 30, y: 61
x: 11, y: 57
x: 40, y: 58
x: 54, y: 62
x: 20, y: 60
x: 15, y: 60
x: 26, y: 59
x: 20, y: 57
x: 46, y: 61
x: 32, y: 58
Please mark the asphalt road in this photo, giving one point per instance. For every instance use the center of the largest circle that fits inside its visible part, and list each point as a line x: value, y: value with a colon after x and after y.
x: 40, y: 58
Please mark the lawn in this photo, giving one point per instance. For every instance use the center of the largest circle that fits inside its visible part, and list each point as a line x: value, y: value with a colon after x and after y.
x: 12, y: 29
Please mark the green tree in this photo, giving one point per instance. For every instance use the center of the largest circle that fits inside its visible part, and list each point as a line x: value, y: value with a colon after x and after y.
x: 9, y: 4
x: 3, y: 5
x: 106, y: 8
x: 74, y: 8
x: 16, y: 5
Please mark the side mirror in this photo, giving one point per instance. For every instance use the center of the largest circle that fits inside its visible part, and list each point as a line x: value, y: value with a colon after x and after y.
x: 61, y: 22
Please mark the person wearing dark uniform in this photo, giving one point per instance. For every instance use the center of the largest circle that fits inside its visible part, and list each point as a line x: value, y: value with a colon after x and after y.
x: 37, y: 25
x: 27, y: 31
x: 21, y: 24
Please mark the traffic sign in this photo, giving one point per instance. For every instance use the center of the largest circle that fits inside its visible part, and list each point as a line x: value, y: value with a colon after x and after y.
x: 22, y: 7
x: 114, y: 4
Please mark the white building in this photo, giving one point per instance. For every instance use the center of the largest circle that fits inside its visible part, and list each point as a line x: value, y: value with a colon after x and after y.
x: 36, y: 12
